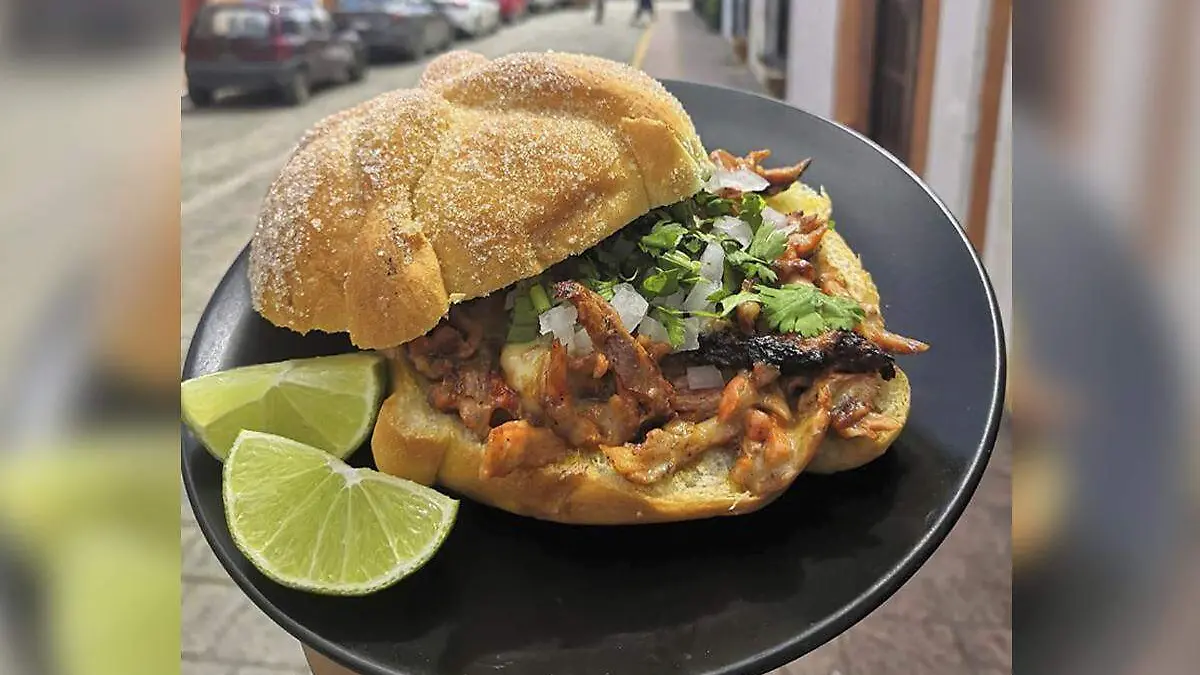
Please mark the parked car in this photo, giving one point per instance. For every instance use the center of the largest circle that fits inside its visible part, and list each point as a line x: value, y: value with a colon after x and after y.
x: 511, y: 10
x: 472, y: 18
x: 410, y: 28
x: 544, y: 5
x: 256, y: 44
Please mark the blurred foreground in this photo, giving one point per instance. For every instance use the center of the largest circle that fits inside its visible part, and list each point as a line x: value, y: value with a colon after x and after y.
x: 1106, y: 479
x: 89, y: 554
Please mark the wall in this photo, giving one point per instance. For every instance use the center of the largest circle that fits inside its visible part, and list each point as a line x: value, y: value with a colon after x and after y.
x: 755, y: 36
x: 998, y: 243
x: 812, y: 52
x: 954, y: 118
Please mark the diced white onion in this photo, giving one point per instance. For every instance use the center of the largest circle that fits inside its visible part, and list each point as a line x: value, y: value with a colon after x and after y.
x: 675, y: 300
x: 704, y: 377
x: 560, y: 321
x: 691, y: 335
x: 582, y: 343
x: 630, y: 305
x: 653, y: 330
x: 738, y: 230
x: 712, y: 262
x: 697, y: 299
x: 741, y: 179
x: 779, y: 220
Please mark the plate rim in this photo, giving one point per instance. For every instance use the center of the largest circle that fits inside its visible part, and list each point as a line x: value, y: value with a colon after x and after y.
x: 780, y: 654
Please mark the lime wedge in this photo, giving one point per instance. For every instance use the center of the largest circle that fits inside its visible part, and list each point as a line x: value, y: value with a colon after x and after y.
x: 329, y: 402
x: 309, y: 521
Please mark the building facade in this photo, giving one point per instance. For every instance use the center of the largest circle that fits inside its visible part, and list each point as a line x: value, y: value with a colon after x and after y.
x: 929, y: 80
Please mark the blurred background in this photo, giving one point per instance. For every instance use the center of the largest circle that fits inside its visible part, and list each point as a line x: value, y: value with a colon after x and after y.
x: 1085, y: 521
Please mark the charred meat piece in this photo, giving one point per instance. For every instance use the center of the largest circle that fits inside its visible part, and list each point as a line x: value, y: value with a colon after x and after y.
x: 636, y: 371
x: 841, y: 351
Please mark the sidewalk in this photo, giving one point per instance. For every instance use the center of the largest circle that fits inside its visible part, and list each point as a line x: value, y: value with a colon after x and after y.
x: 680, y: 47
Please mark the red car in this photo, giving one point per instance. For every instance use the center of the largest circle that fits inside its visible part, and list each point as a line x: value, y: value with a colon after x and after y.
x: 511, y: 10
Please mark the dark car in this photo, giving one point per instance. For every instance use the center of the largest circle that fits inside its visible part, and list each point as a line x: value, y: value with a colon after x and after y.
x: 282, y: 46
x: 410, y: 28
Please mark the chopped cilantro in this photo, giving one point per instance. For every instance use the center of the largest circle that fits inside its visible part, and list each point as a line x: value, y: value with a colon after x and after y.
x: 682, y: 212
x: 678, y: 260
x: 603, y: 287
x: 523, y: 325
x: 672, y: 320
x: 693, y: 243
x: 800, y: 308
x: 663, y: 282
x: 727, y: 305
x: 768, y: 244
x: 751, y: 210
x: 751, y: 266
x: 714, y: 206
x: 663, y: 237
x: 718, y: 295
x: 539, y: 298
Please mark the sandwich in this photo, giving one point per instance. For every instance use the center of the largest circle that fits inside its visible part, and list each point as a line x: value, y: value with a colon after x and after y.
x: 589, y: 318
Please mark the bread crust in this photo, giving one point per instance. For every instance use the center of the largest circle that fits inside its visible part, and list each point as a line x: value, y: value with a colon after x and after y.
x: 892, y: 398
x: 490, y: 172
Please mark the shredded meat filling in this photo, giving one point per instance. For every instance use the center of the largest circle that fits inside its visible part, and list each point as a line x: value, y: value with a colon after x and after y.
x: 696, y: 405
x: 787, y: 394
x: 519, y: 445
x: 793, y: 271
x: 584, y: 424
x: 771, y: 456
x: 852, y: 413
x: 464, y: 379
x: 780, y: 178
x: 803, y: 241
x: 667, y: 449
x: 872, y: 326
x: 478, y: 394
x: 636, y: 371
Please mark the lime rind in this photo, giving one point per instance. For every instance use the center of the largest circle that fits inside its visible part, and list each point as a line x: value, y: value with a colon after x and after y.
x: 330, y: 402
x: 308, y: 521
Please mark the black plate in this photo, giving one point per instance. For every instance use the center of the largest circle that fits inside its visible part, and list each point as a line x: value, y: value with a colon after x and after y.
x: 730, y: 595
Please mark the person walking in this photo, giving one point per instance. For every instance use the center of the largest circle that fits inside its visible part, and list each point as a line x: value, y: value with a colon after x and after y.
x: 646, y: 6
